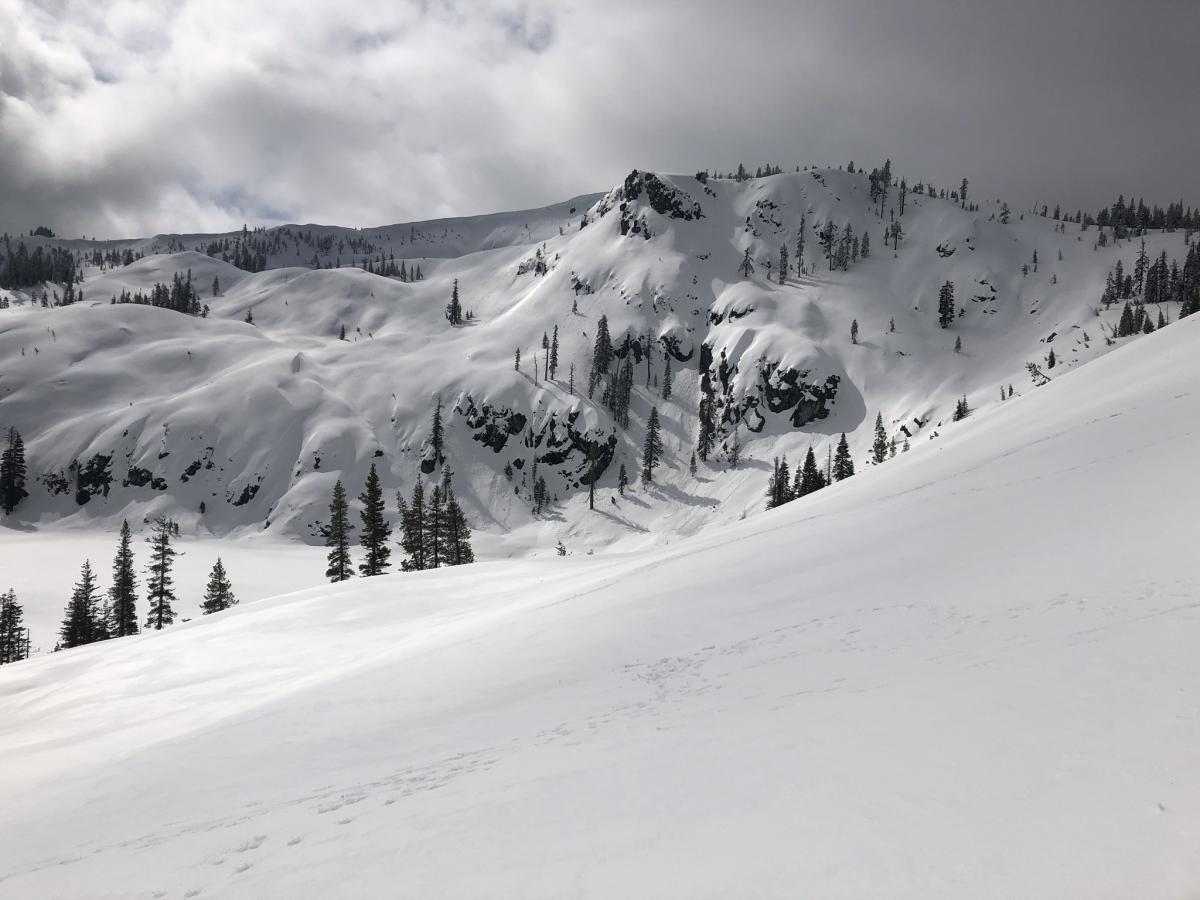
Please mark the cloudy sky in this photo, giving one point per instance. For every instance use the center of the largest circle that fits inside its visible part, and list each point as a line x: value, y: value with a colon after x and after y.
x: 133, y: 117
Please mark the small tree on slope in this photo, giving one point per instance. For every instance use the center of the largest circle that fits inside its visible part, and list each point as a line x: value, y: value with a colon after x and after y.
x: 652, y: 448
x: 879, y: 449
x: 79, y: 621
x: 375, y: 527
x: 843, y: 465
x: 159, y: 584
x: 218, y: 595
x: 337, y: 536
x: 122, y: 596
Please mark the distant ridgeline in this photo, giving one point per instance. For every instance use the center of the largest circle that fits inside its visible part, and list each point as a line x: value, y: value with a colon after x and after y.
x: 675, y: 327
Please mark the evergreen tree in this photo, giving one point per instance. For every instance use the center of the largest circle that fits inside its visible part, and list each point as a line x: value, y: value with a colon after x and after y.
x: 412, y: 519
x: 961, y: 409
x: 854, y: 332
x: 783, y: 263
x: 216, y: 292
x: 958, y: 344
x: 375, y: 527
x: 160, y: 593
x: 218, y: 595
x: 12, y: 629
x: 602, y: 355
x: 122, y: 596
x: 747, y: 266
x: 811, y: 478
x: 622, y: 480
x: 554, y: 353
x: 652, y: 448
x: 454, y: 313
x: 434, y: 537
x: 12, y: 472
x: 946, y: 305
x: 843, y: 465
x: 666, y: 377
x: 880, y: 445
x: 458, y: 534
x: 437, y: 432
x: 79, y: 622
x: 735, y: 450
x: 517, y: 360
x: 779, y: 485
x: 692, y: 464
x: 337, y: 536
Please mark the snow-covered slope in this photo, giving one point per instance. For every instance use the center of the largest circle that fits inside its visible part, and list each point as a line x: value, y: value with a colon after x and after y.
x: 969, y: 673
x: 133, y: 410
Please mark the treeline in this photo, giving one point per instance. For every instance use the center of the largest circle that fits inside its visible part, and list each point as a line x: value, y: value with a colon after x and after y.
x: 21, y: 268
x: 783, y: 486
x: 180, y: 295
x: 434, y: 531
x: 94, y: 615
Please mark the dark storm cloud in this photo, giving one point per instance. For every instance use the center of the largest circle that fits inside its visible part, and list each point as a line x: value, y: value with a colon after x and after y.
x: 139, y: 116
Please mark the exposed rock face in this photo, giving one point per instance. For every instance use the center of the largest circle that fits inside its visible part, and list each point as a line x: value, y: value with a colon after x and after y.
x: 794, y: 392
x: 663, y: 198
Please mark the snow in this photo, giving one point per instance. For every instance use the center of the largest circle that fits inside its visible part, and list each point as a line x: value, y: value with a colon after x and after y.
x: 970, y: 672
x: 283, y: 408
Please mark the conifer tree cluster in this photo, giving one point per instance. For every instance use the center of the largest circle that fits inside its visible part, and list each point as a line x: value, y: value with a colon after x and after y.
x: 434, y: 531
x: 21, y: 268
x: 784, y: 487
x: 14, y: 636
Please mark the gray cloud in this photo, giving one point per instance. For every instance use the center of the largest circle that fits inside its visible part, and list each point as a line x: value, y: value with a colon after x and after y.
x: 141, y: 116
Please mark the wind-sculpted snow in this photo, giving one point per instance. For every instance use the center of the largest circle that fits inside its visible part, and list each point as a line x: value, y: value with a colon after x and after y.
x: 969, y: 673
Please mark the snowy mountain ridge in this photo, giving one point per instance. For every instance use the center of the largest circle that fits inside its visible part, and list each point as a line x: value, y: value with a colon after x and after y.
x: 232, y: 426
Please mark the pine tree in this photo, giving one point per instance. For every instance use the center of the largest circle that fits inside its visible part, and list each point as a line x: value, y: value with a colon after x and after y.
x: 779, y: 485
x: 843, y: 465
x: 961, y: 409
x: 652, y: 448
x: 811, y: 478
x: 122, y: 596
x: 216, y: 291
x: 622, y: 480
x: 602, y: 355
x: 692, y: 464
x: 434, y: 536
x: 735, y: 450
x: 880, y: 445
x: 667, y: 377
x: 12, y: 630
x: 783, y: 263
x: 337, y: 536
x: 79, y: 622
x: 160, y: 593
x: 454, y: 308
x: 554, y: 353
x: 958, y: 344
x: 517, y: 360
x: 946, y: 305
x: 437, y: 432
x: 458, y: 534
x: 218, y: 595
x: 854, y: 332
x: 375, y: 527
x: 747, y: 266
x: 412, y: 519
x: 12, y: 472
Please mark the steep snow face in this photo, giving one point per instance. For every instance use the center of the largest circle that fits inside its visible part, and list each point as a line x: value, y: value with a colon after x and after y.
x: 970, y: 673
x: 229, y: 426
